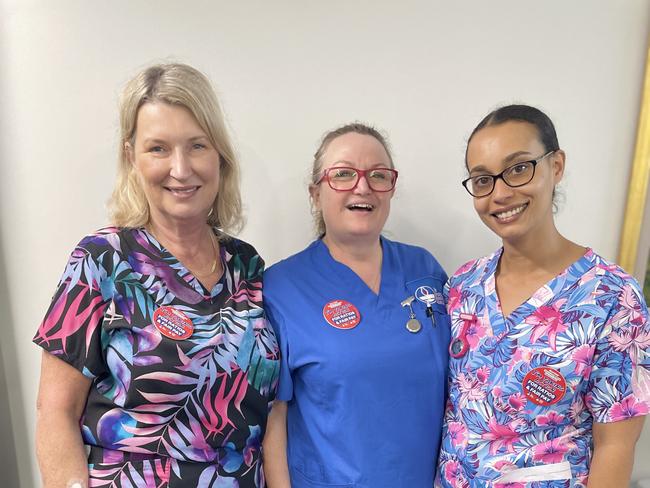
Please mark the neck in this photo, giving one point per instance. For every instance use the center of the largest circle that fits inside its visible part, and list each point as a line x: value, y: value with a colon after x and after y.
x: 543, y: 249
x: 354, y: 250
x: 185, y: 238
x: 361, y: 256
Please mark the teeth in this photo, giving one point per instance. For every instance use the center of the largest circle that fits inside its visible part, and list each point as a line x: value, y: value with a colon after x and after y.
x: 510, y: 213
x: 362, y: 206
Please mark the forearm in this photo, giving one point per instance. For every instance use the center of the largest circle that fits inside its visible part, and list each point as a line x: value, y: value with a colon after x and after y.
x: 276, y: 469
x: 611, y: 466
x: 60, y: 451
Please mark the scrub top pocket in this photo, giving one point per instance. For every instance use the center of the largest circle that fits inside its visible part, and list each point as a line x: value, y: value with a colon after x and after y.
x: 428, y: 294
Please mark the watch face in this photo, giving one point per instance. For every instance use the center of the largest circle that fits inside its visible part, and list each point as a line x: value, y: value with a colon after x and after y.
x: 457, y: 348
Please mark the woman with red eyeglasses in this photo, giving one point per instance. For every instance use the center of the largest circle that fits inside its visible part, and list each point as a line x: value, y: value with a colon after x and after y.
x: 363, y: 332
x: 549, y: 369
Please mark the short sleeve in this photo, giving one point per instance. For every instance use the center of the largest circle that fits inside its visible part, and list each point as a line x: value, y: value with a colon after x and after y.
x: 285, y: 385
x: 619, y: 382
x: 71, y: 329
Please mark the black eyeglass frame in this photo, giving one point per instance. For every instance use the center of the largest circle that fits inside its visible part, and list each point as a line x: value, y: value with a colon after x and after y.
x: 534, y: 162
x: 361, y: 173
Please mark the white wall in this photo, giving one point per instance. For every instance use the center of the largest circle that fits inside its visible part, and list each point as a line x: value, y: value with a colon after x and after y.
x: 286, y: 71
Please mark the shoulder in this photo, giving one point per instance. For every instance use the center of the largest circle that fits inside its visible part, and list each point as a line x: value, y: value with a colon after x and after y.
x: 94, y: 257
x: 105, y: 239
x: 608, y: 270
x: 287, y: 268
x: 612, y: 280
x: 243, y: 256
x: 473, y: 268
x: 416, y: 256
x: 238, y: 247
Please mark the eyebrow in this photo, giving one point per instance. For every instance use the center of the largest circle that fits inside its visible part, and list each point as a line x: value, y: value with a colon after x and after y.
x: 346, y: 164
x: 508, y: 159
x: 156, y: 140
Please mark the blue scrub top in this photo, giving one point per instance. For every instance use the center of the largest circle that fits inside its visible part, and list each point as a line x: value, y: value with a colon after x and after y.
x: 365, y: 404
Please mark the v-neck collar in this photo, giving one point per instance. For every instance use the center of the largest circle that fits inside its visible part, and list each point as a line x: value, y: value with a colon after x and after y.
x: 349, y: 276
x: 184, y: 273
x: 545, y: 293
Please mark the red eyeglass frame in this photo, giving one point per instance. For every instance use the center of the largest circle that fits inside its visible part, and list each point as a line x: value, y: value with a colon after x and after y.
x: 361, y: 173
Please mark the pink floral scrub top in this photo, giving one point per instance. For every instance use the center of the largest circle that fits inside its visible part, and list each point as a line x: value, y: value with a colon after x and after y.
x: 525, y: 390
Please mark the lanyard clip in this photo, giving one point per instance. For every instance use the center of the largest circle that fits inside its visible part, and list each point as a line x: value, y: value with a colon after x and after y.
x: 460, y: 345
x: 468, y: 317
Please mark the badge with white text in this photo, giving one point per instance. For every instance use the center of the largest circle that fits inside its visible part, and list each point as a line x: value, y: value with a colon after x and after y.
x: 544, y: 386
x: 341, y: 314
x: 172, y: 323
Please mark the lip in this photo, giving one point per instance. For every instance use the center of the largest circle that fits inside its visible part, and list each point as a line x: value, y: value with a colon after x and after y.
x: 521, y: 207
x: 183, y: 191
x: 371, y: 207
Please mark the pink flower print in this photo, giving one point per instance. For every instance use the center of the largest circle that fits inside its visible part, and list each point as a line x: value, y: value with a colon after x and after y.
x: 504, y: 405
x: 517, y: 401
x: 576, y: 409
x: 454, y: 474
x: 629, y: 301
x: 470, y: 389
x: 501, y: 405
x: 582, y: 356
x: 502, y: 436
x: 475, y: 332
x: 627, y: 408
x: 458, y: 434
x: 503, y: 466
x: 552, y: 451
x: 453, y: 299
x: 635, y: 339
x: 641, y: 383
x: 547, y: 321
x: 482, y: 374
x: 522, y: 353
x: 550, y: 419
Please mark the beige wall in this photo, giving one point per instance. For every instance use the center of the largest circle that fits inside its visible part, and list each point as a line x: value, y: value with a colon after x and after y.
x: 424, y: 71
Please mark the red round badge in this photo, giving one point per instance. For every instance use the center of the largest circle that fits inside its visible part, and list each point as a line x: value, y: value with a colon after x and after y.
x: 341, y: 314
x: 544, y: 386
x: 172, y: 323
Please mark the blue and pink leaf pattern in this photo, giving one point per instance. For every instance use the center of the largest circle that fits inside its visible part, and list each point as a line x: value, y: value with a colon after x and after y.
x: 589, y: 324
x: 162, y: 412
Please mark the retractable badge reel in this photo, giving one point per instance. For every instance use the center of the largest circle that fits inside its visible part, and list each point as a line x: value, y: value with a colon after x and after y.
x: 460, y: 345
x: 412, y: 324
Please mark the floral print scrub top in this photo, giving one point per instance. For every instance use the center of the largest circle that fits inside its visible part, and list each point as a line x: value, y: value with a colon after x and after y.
x: 181, y: 376
x: 524, y: 394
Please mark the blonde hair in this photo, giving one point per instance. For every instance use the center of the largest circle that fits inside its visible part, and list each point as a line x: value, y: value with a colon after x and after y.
x: 317, y: 165
x: 182, y: 85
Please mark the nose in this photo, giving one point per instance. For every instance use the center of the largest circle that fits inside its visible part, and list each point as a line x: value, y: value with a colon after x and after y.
x: 362, y: 187
x: 181, y: 166
x: 501, y: 190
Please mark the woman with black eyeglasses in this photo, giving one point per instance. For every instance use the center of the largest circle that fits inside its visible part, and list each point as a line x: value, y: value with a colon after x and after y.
x: 549, y: 370
x: 363, y: 333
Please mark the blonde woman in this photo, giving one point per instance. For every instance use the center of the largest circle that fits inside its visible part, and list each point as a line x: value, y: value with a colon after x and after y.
x: 155, y: 341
